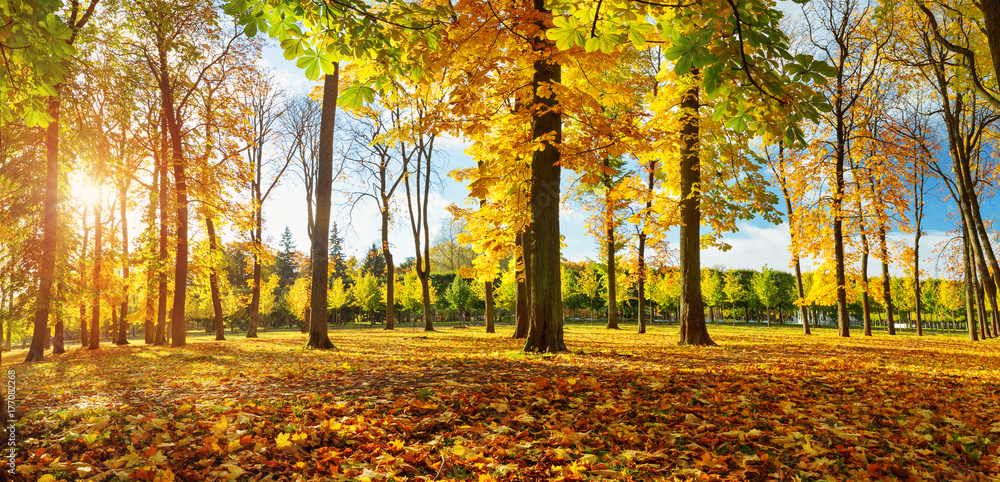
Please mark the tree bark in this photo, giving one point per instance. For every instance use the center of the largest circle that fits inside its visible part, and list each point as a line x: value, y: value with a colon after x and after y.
x: 255, y: 295
x: 970, y: 314
x: 122, y: 338
x: 58, y: 337
x: 95, y: 320
x: 390, y: 270
x: 642, y: 281
x: 690, y: 303
x: 545, y: 332
x: 50, y: 225
x: 213, y: 279
x: 161, y: 297
x: 916, y: 280
x: 84, y: 334
x: 150, y: 312
x: 177, y: 319
x: 319, y: 336
x: 488, y: 289
x: 612, y: 282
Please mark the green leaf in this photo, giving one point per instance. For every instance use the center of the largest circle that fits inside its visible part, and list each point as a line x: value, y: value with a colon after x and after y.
x: 355, y: 95
x: 637, y: 38
x: 683, y: 65
x: 293, y: 48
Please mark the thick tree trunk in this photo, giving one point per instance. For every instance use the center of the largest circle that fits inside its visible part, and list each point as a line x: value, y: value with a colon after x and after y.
x: 213, y: 280
x: 545, y: 333
x: 50, y: 224
x: 690, y: 304
x: 319, y: 336
x: 177, y: 318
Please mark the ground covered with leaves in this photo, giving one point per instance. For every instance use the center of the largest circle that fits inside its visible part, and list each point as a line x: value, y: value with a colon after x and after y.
x: 459, y: 404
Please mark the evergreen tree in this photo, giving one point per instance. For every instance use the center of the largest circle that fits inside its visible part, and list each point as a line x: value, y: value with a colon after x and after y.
x: 337, y: 260
x: 285, y: 265
x: 374, y: 262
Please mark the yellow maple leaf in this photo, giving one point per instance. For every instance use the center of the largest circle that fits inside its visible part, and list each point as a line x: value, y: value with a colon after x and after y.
x: 282, y: 440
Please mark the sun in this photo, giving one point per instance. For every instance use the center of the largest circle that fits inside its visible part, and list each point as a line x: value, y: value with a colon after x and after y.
x: 84, y: 190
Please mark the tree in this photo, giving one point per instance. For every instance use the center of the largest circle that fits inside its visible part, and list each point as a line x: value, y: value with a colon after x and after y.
x: 318, y: 332
x: 459, y: 296
x: 163, y: 31
x: 374, y: 264
x: 734, y: 290
x: 382, y: 173
x: 63, y: 34
x: 262, y: 102
x: 838, y: 30
x: 766, y: 288
x: 367, y: 293
x: 285, y: 263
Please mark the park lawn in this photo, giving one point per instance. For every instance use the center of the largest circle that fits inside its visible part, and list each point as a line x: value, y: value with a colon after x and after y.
x: 460, y: 404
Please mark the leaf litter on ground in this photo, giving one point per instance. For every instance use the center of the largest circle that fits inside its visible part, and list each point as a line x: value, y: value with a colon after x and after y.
x: 766, y: 404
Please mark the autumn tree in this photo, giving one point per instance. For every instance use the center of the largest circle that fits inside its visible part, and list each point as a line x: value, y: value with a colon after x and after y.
x: 380, y: 173
x: 765, y: 287
x: 837, y: 29
x: 62, y: 32
x: 164, y: 31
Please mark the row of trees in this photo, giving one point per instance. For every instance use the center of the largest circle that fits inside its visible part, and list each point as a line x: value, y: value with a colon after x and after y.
x: 661, y: 111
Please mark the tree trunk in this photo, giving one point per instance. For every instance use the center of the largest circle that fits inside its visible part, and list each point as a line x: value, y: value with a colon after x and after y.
x: 150, y: 311
x: 642, y: 282
x: 319, y: 336
x: 213, y: 279
x: 612, y: 282
x: 690, y: 304
x: 50, y: 224
x: 122, y: 338
x: 161, y: 297
x: 545, y: 333
x: 886, y: 285
x: 255, y: 296
x: 488, y: 288
x: 178, y: 325
x: 916, y: 280
x: 390, y: 272
x: 865, y: 305
x: 84, y: 335
x: 58, y: 345
x: 843, y: 316
x: 970, y: 314
x: 95, y: 320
